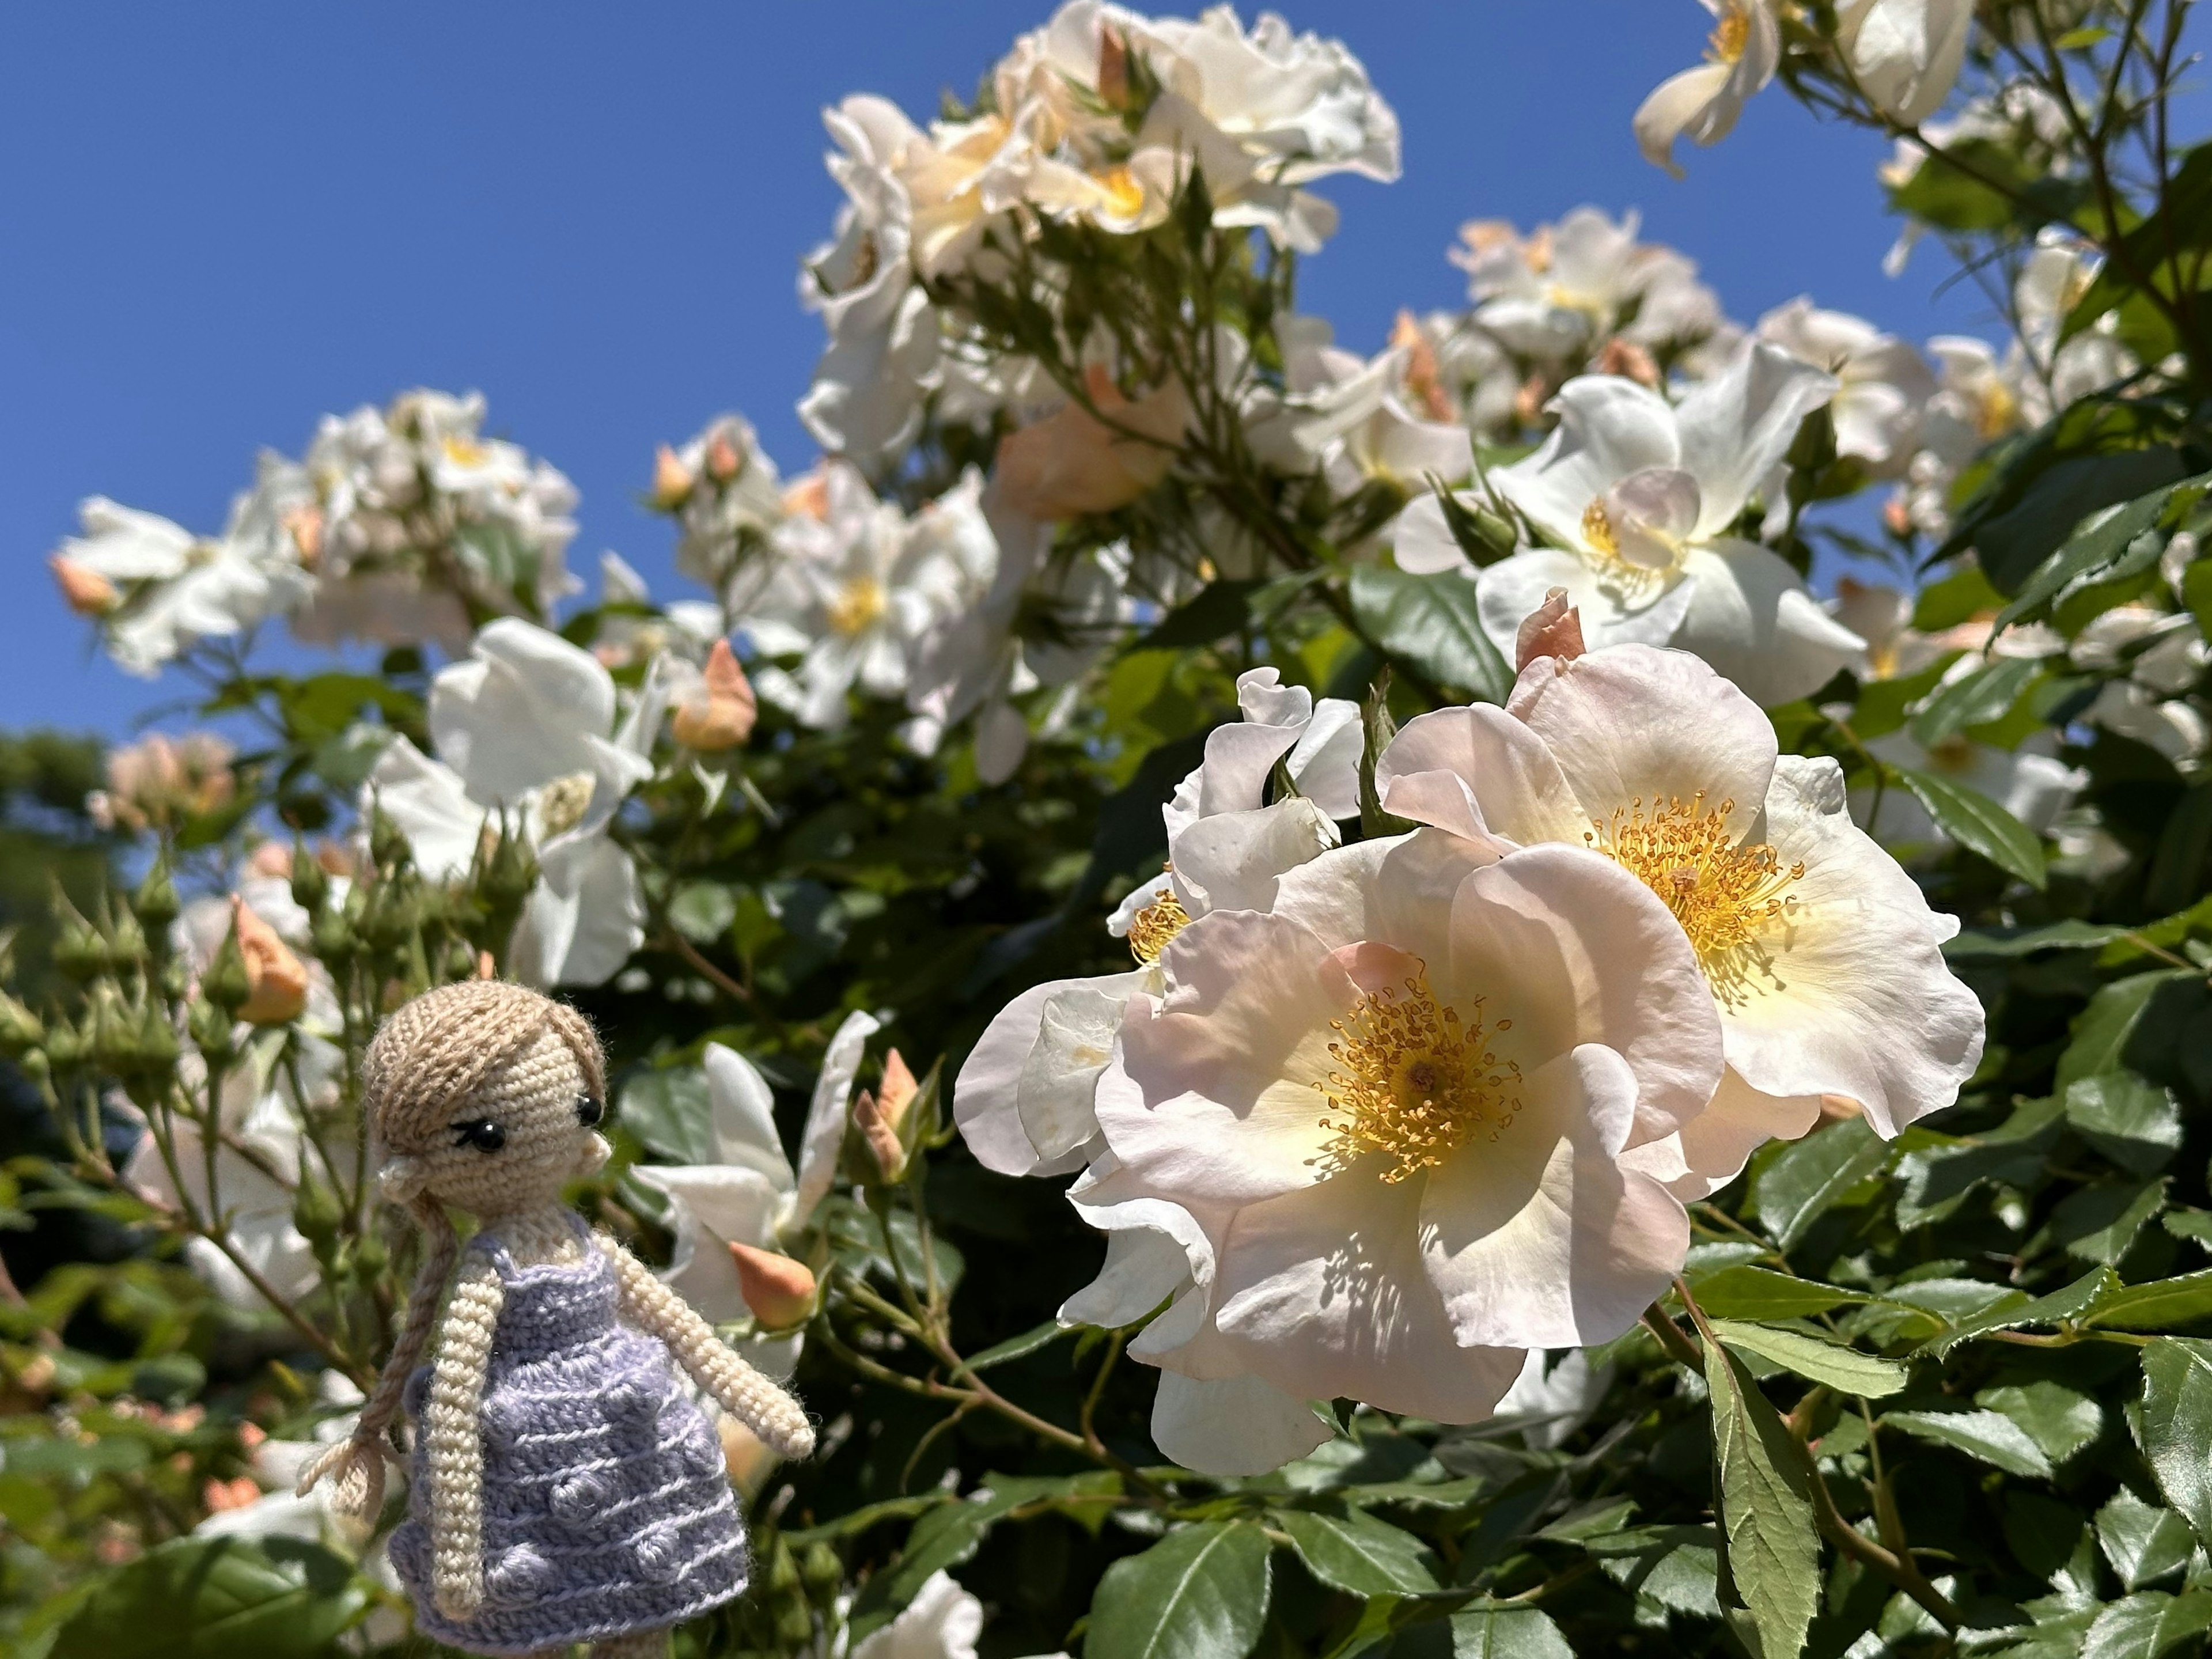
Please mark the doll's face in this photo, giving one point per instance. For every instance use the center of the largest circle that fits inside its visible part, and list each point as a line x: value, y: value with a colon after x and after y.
x: 518, y: 1136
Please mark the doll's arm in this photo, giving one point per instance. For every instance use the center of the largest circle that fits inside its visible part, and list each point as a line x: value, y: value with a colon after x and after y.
x: 740, y: 1390
x: 454, y: 1438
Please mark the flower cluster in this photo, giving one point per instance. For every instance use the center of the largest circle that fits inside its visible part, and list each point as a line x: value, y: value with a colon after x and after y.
x: 1381, y: 1118
x: 399, y: 526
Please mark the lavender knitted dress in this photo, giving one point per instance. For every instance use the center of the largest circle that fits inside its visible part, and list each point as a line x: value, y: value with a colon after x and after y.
x: 606, y: 1505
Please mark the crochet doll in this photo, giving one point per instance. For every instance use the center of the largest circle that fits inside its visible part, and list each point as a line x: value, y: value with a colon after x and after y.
x: 563, y: 1489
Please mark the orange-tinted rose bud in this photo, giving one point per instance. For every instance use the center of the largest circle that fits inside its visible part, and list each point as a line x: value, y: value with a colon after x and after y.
x: 671, y: 480
x: 720, y: 714
x: 897, y: 1089
x: 88, y: 592
x: 276, y: 980
x: 881, y: 1138
x: 723, y: 460
x: 779, y: 1289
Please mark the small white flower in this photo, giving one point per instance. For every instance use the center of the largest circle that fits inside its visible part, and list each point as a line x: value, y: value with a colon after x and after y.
x: 1882, y: 385
x: 1642, y: 498
x: 1904, y: 54
x: 527, y: 730
x: 1702, y: 104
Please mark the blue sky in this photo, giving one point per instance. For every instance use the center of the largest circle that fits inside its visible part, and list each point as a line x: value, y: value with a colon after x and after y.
x: 218, y: 222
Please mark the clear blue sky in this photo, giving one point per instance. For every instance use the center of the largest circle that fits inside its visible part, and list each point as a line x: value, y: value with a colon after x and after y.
x: 217, y: 222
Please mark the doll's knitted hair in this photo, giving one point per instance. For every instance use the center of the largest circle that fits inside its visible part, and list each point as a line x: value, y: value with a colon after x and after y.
x: 425, y: 1064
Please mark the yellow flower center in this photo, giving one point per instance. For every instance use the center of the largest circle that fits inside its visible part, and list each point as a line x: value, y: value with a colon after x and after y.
x: 1153, y: 928
x: 465, y: 452
x: 857, y: 605
x: 1999, y: 412
x: 1724, y: 894
x: 1731, y: 35
x: 561, y: 807
x: 1413, y: 1082
x: 1597, y: 529
x: 1124, y: 197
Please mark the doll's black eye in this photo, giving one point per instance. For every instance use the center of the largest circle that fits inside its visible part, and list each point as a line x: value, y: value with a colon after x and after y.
x: 484, y: 1134
x: 589, y: 1111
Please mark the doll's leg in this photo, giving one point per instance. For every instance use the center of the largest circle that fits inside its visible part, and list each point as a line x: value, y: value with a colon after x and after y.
x: 636, y: 1644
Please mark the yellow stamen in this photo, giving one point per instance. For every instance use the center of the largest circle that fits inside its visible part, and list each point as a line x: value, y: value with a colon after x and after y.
x: 1597, y: 529
x: 1153, y: 928
x: 465, y: 452
x: 1416, y: 1084
x: 1999, y: 411
x: 561, y: 807
x: 1124, y: 197
x: 1726, y: 894
x: 856, y: 606
x: 1731, y: 35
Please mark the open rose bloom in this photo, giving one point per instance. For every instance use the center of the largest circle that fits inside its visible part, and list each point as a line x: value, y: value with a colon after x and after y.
x: 1423, y: 1112
x: 1822, y: 957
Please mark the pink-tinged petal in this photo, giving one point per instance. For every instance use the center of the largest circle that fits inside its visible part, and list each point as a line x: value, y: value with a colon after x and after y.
x: 1540, y: 1239
x: 986, y: 1094
x: 1397, y: 889
x: 1478, y: 773
x: 1325, y: 1293
x: 1635, y: 723
x: 1616, y: 608
x: 1858, y: 1000
x: 1239, y: 1425
x: 1574, y: 950
x: 1719, y: 1141
x: 1212, y: 1098
x: 1753, y: 621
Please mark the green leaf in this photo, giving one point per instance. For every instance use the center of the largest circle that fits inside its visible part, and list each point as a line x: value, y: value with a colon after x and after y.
x: 1978, y: 824
x: 1807, y: 1177
x: 2098, y: 547
x: 2101, y: 1223
x: 1990, y: 1435
x: 2072, y: 1302
x: 673, y: 1113
x: 1974, y: 699
x: 1216, y: 609
x: 1200, y: 1593
x: 2159, y: 1305
x: 2174, y: 1427
x: 1754, y: 1293
x: 218, y: 1598
x: 2143, y: 1543
x: 1766, y: 1511
x: 2032, y: 547
x: 2055, y: 1417
x: 1431, y: 623
x: 2102, y: 1030
x: 1486, y: 1630
x: 1016, y: 1347
x: 2129, y: 1120
x: 1359, y: 1555
x: 1975, y: 944
x: 950, y: 1533
x: 1843, y: 1369
x: 2147, y: 1624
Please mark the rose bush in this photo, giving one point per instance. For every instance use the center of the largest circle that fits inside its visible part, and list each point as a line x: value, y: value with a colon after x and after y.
x: 1543, y: 992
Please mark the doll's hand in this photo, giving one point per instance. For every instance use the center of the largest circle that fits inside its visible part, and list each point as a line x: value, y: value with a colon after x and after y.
x: 355, y: 1469
x: 779, y: 1420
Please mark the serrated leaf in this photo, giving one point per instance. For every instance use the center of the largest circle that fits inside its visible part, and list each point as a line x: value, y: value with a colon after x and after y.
x: 1791, y: 1193
x: 1974, y: 699
x: 1766, y: 1511
x: 2148, y: 1623
x: 1359, y: 1555
x: 1845, y: 1370
x: 1487, y: 1631
x: 218, y: 1598
x: 2071, y: 1301
x: 1990, y: 1435
x: 2158, y: 1305
x: 2174, y: 1426
x: 1754, y: 1293
x: 2143, y: 1542
x: 2054, y: 1416
x: 2102, y: 1028
x: 1978, y: 824
x: 1200, y: 1593
x: 2131, y: 1120
x: 1432, y: 623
